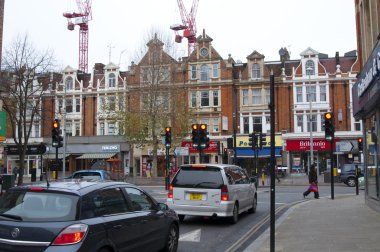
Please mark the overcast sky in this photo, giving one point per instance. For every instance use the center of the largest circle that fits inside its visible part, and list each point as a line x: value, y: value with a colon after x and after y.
x: 237, y: 27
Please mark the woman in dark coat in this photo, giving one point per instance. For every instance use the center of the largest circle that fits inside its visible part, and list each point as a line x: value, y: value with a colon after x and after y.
x: 313, y: 181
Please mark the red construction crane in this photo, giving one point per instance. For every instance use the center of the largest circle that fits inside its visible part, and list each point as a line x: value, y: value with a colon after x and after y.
x: 81, y: 19
x: 188, y: 25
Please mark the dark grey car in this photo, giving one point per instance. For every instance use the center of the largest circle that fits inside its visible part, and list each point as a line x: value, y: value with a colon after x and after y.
x: 85, y: 216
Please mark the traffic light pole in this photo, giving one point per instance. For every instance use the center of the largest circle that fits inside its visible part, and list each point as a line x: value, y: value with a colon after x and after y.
x: 167, y: 177
x: 332, y: 167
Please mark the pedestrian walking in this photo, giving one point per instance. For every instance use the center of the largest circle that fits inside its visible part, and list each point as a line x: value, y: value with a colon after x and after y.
x: 313, y: 181
x: 15, y: 172
x: 276, y: 174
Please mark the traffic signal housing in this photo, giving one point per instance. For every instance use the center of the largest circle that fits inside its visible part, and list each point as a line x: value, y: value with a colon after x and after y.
x: 360, y: 144
x: 262, y: 140
x: 195, y: 135
x: 57, y: 139
x: 252, y: 140
x: 168, y: 136
x: 329, y: 126
x: 203, y: 136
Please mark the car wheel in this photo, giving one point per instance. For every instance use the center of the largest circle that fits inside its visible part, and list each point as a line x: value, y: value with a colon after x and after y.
x: 171, y: 244
x: 351, y: 182
x: 181, y: 217
x: 254, y: 205
x: 235, y: 214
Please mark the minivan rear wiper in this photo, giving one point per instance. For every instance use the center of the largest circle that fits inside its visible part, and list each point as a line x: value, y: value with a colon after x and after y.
x: 206, y: 182
x: 11, y: 216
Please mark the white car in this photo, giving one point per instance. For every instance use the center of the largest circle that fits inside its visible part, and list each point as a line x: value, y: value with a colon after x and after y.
x: 215, y: 190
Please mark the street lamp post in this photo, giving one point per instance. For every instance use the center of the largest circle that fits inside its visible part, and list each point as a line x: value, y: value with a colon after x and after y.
x: 311, y: 161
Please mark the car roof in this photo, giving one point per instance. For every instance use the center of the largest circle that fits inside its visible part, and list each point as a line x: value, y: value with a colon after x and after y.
x: 221, y: 166
x: 89, y: 171
x: 75, y: 187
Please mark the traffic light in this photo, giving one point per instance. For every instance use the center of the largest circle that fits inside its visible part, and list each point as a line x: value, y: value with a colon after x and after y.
x: 262, y: 140
x: 168, y: 136
x: 252, y: 141
x: 360, y: 144
x: 329, y: 127
x: 57, y: 139
x: 195, y: 135
x: 203, y: 138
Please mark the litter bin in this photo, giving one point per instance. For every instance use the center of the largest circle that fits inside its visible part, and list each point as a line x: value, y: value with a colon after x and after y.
x: 8, y: 181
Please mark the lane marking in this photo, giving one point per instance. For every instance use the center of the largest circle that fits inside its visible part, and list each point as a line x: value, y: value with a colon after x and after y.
x: 192, y: 236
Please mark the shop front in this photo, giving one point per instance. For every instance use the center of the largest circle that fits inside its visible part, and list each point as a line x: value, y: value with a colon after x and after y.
x: 246, y: 156
x: 299, y: 154
x: 366, y: 106
x: 110, y: 157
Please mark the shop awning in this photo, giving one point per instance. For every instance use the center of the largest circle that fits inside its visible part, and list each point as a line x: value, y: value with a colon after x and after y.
x: 249, y: 153
x: 96, y: 156
x: 52, y: 156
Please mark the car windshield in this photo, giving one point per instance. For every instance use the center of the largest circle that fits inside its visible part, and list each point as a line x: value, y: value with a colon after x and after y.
x: 38, y: 206
x: 206, y: 177
x: 351, y: 167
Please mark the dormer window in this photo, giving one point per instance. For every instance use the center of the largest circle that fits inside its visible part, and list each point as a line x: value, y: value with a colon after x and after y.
x: 256, y: 71
x: 310, y: 67
x: 111, y: 80
x: 69, y: 83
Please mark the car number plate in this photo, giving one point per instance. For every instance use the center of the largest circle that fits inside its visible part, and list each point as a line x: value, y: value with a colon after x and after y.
x: 195, y: 196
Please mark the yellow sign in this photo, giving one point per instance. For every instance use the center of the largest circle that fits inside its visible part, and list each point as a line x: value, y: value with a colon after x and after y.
x: 242, y: 142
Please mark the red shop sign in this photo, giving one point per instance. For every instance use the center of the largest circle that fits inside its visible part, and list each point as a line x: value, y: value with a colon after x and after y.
x: 212, y: 148
x: 304, y: 144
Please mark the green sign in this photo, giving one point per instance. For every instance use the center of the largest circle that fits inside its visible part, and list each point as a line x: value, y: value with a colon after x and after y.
x: 3, y: 125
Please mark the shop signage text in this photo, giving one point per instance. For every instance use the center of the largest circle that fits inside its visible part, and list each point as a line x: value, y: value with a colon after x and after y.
x: 110, y: 148
x: 370, y: 71
x: 302, y: 145
x: 212, y: 148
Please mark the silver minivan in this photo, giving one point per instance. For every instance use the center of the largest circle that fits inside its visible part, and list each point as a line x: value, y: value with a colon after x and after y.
x: 215, y: 190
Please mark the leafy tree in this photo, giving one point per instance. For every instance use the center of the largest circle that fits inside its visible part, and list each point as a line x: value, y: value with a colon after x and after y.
x: 24, y: 81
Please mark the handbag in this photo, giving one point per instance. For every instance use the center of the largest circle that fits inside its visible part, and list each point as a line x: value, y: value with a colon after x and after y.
x: 313, y: 187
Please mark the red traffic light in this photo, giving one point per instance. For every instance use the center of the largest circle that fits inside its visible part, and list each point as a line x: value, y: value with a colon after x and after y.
x: 194, y: 126
x: 203, y: 126
x: 168, y: 129
x: 55, y: 125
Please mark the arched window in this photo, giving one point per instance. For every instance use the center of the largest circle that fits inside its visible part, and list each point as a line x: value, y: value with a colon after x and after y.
x: 111, y: 80
x: 69, y: 83
x: 256, y: 71
x: 204, y: 73
x: 310, y: 67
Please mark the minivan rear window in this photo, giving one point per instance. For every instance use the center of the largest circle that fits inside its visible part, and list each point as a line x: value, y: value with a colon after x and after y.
x: 196, y: 177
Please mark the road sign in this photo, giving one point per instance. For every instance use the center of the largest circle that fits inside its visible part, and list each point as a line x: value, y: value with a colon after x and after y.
x: 344, y: 146
x: 181, y: 151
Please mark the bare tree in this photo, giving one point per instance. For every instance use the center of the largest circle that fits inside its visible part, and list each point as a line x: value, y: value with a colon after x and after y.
x: 22, y: 79
x: 156, y: 100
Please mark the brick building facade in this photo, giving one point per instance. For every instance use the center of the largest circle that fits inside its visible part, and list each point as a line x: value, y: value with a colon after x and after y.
x: 230, y: 96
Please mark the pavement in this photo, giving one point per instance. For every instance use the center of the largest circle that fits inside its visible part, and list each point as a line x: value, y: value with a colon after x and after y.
x: 342, y: 224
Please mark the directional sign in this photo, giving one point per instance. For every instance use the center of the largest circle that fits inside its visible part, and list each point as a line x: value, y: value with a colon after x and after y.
x: 344, y: 146
x: 181, y: 151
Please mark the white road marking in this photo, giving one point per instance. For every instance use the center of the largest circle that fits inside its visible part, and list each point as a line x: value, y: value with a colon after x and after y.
x: 192, y: 236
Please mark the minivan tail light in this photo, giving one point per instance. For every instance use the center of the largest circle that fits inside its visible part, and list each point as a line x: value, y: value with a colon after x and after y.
x: 170, y: 192
x: 72, y: 234
x: 224, y: 193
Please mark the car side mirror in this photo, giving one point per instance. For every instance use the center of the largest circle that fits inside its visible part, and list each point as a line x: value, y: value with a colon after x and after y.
x: 162, y: 207
x: 253, y: 180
